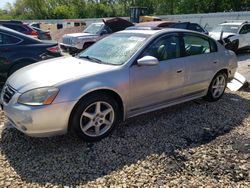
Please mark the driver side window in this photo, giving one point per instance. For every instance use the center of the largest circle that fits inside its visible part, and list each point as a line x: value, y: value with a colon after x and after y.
x: 165, y: 48
x: 245, y: 29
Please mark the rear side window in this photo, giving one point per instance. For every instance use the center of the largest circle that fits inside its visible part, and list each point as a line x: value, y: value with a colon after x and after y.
x: 7, y: 40
x: 18, y: 28
x: 195, y: 45
x: 195, y: 27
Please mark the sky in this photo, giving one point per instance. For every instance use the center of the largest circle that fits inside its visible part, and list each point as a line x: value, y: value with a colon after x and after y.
x: 3, y: 2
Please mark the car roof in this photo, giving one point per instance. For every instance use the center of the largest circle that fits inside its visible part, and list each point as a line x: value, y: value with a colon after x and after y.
x: 157, y: 23
x: 18, y: 34
x: 233, y: 23
x: 162, y: 31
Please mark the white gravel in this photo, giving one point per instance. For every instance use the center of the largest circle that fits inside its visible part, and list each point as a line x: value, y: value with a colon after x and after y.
x: 196, y: 144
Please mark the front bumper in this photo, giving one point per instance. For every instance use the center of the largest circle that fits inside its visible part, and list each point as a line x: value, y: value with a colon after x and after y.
x: 38, y: 121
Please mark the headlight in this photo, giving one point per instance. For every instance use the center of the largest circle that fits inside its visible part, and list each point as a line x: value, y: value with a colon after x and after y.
x: 40, y: 96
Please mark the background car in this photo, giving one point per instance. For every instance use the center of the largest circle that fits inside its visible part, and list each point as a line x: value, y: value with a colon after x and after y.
x: 42, y: 34
x: 235, y: 33
x: 77, y: 42
x: 20, y: 27
x: 18, y: 50
x: 123, y: 75
x: 143, y: 28
x: 175, y: 24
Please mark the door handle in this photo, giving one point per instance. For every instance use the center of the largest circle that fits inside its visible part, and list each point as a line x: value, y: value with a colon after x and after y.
x: 215, y: 62
x: 179, y: 71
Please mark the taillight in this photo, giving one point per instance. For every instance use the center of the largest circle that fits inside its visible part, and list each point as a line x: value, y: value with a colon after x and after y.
x: 47, y: 34
x: 34, y: 33
x: 54, y: 49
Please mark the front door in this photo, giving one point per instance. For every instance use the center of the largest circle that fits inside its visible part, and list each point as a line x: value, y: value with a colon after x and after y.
x: 244, y: 36
x: 154, y: 85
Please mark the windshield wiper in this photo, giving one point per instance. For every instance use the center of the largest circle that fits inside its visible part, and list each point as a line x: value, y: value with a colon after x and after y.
x: 92, y: 59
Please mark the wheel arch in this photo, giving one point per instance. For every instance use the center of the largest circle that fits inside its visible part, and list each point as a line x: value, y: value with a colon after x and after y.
x: 107, y: 91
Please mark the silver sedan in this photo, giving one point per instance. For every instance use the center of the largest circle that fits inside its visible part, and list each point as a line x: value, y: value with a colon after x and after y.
x: 126, y: 74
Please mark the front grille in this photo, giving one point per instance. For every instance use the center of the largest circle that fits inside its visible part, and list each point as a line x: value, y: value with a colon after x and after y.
x: 67, y: 40
x: 8, y: 93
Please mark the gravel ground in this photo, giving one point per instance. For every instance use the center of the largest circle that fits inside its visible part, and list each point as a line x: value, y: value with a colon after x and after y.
x: 189, y: 145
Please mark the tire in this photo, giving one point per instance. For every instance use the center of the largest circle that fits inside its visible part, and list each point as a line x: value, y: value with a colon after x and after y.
x: 218, y: 83
x: 94, y: 117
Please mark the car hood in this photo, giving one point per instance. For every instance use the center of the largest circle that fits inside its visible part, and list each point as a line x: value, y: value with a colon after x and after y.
x: 52, y: 72
x: 216, y: 35
x: 79, y: 35
x: 117, y: 24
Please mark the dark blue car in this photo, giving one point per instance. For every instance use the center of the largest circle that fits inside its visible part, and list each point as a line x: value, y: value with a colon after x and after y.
x: 18, y: 50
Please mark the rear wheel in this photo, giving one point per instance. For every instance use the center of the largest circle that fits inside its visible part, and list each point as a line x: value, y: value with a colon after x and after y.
x: 217, y: 87
x: 95, y: 117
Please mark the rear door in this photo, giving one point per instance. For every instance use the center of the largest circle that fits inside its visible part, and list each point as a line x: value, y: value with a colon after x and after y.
x: 154, y: 85
x: 201, y: 62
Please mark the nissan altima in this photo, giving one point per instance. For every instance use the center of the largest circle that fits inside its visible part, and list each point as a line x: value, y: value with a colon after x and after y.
x: 123, y: 75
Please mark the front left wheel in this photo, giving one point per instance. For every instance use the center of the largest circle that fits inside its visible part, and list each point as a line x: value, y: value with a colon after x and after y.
x: 95, y: 117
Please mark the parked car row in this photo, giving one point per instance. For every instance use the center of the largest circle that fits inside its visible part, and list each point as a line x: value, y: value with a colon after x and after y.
x: 77, y: 42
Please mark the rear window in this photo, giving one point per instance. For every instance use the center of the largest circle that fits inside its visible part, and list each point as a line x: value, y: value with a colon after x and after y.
x: 195, y: 27
x: 180, y: 25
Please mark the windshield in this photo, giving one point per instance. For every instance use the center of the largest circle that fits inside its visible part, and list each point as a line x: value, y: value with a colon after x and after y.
x: 115, y: 49
x: 226, y: 28
x: 94, y: 28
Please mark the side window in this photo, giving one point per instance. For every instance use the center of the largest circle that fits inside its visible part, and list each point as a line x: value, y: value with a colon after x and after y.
x: 165, y: 48
x: 245, y: 29
x: 16, y: 27
x: 195, y: 45
x: 195, y: 27
x: 6, y: 39
x: 107, y: 29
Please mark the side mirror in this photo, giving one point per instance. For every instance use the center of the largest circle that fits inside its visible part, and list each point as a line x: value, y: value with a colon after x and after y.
x: 148, y: 61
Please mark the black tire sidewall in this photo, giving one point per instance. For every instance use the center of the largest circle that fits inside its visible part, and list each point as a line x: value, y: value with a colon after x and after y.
x: 82, y: 105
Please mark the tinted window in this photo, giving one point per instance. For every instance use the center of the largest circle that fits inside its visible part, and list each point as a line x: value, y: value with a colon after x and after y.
x: 195, y: 27
x: 195, y: 45
x: 16, y: 27
x: 6, y: 39
x: 180, y: 25
x: 245, y: 29
x: 165, y: 48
